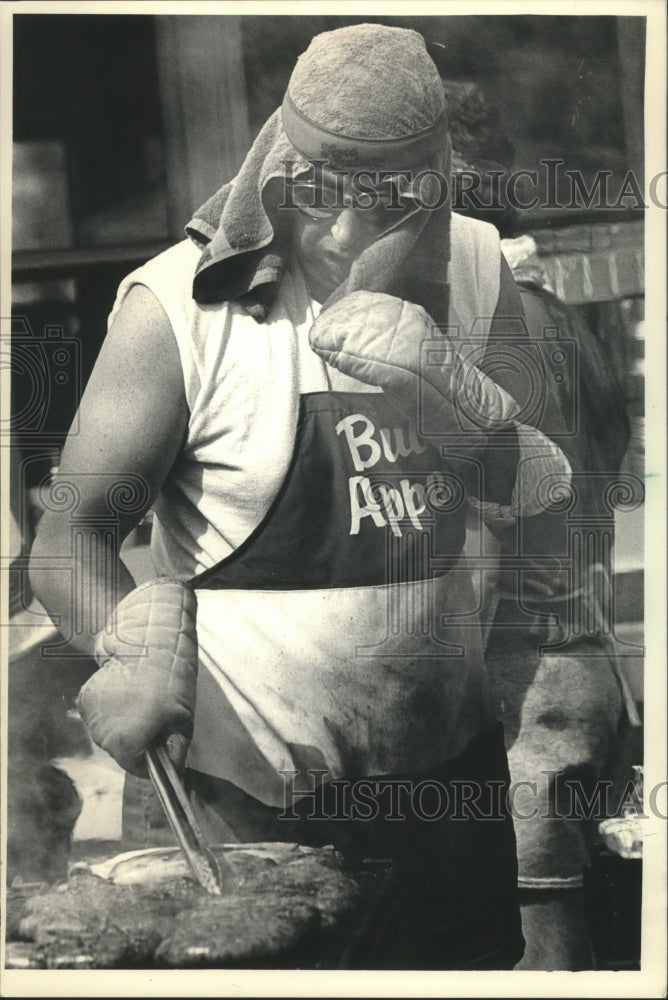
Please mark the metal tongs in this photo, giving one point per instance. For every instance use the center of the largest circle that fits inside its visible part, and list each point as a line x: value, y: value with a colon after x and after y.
x: 213, y: 876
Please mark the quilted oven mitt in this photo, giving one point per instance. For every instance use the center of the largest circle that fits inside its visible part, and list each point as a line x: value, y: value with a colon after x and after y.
x: 144, y: 691
x: 380, y: 339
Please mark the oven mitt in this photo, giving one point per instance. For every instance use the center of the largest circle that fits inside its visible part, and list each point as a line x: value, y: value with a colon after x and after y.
x: 385, y: 341
x: 541, y: 481
x: 144, y: 691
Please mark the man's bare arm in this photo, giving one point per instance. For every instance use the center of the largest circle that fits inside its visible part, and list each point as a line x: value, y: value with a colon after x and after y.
x: 131, y: 426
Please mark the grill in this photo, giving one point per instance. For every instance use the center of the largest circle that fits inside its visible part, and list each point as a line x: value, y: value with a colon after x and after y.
x: 174, y: 906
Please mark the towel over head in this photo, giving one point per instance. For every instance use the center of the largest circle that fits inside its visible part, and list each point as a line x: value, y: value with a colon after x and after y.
x: 362, y: 97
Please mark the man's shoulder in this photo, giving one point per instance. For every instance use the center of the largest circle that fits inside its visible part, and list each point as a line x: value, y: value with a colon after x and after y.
x: 170, y: 273
x: 185, y: 253
x: 474, y: 232
x: 474, y: 269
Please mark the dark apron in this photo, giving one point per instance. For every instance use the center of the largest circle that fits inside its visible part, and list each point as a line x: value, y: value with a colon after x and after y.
x: 327, y: 529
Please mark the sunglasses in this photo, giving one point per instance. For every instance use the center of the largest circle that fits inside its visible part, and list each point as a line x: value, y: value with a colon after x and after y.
x: 375, y: 209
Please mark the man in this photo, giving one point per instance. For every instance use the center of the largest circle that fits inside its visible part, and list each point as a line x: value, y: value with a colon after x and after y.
x: 278, y: 388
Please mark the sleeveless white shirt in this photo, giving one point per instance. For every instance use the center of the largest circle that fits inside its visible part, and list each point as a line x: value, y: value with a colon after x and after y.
x: 297, y: 679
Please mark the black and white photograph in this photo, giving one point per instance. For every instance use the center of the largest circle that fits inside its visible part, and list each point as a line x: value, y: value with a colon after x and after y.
x: 333, y: 499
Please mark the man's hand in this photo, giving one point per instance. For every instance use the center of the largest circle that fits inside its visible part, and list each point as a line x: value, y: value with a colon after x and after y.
x: 145, y: 690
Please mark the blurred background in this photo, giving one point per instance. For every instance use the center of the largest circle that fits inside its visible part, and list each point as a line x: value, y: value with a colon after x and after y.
x: 124, y: 124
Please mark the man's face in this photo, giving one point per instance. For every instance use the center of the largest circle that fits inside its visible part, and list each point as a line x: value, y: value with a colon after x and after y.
x: 337, y: 217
